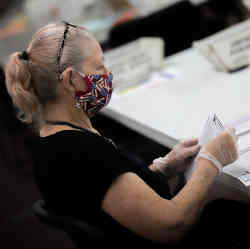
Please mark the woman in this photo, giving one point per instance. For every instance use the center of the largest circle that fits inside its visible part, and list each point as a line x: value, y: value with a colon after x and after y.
x: 58, y: 84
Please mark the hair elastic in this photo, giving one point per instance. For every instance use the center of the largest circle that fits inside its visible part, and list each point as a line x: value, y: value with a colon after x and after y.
x: 24, y: 56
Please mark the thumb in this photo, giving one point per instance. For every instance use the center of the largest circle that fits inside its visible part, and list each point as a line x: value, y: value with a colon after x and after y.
x: 232, y: 132
x: 192, y: 151
x: 190, y: 142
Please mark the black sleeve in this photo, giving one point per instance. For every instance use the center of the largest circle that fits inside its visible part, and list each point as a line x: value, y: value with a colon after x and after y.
x: 82, y: 169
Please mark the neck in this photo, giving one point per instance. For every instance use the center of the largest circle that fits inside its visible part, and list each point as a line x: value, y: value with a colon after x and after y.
x: 75, y: 116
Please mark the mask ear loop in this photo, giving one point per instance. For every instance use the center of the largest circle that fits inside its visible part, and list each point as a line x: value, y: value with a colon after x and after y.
x: 86, y: 79
x: 78, y: 94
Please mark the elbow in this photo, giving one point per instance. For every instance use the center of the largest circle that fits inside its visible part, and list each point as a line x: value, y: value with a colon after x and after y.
x: 176, y: 228
x: 179, y: 225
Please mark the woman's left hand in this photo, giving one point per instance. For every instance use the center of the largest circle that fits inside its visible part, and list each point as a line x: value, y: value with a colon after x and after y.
x: 182, y: 153
x: 180, y: 157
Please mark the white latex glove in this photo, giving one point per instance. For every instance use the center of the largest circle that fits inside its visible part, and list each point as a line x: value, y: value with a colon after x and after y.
x: 221, y: 150
x: 178, y: 159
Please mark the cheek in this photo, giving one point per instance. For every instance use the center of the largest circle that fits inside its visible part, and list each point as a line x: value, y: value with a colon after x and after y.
x: 82, y: 85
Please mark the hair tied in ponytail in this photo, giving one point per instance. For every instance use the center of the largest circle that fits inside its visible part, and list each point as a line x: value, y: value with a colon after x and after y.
x: 24, y: 56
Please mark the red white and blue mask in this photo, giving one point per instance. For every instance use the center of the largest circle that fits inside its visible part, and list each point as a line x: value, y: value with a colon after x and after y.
x: 97, y: 95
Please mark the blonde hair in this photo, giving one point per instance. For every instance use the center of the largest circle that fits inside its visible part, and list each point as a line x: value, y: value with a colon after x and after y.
x: 32, y: 83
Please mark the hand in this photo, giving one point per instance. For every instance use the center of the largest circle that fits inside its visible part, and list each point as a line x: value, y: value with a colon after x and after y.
x: 221, y: 150
x: 178, y: 160
x: 182, y: 154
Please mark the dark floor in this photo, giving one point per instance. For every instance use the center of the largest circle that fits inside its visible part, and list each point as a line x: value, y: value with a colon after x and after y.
x: 18, y: 227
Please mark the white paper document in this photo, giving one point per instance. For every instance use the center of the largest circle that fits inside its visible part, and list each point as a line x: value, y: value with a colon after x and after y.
x: 240, y: 169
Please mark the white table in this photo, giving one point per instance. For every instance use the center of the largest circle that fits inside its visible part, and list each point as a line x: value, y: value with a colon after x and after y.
x: 170, y: 109
x: 176, y: 107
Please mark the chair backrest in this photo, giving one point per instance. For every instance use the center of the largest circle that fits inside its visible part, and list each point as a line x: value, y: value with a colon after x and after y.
x: 72, y: 226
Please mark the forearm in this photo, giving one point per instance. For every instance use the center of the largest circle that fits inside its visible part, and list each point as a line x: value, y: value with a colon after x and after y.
x: 192, y: 198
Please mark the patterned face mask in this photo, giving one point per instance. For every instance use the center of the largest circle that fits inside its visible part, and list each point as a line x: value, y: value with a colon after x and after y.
x: 97, y: 95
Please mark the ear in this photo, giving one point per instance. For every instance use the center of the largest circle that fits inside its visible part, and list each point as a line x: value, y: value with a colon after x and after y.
x: 67, y: 78
x: 73, y: 80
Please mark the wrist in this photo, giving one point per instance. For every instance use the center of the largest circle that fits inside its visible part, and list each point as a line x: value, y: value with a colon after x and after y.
x: 213, y: 160
x: 207, y: 166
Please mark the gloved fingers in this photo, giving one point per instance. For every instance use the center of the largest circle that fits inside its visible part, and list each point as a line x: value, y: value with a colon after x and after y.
x: 232, y: 136
x: 234, y: 154
x: 190, y: 142
x: 227, y: 150
x: 232, y: 132
x: 191, y: 151
x: 228, y: 156
x: 223, y: 147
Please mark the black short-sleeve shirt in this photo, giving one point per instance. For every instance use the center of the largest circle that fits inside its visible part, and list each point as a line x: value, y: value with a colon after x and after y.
x: 74, y: 169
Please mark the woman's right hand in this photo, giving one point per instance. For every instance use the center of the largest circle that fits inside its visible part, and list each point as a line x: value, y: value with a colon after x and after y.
x: 223, y: 147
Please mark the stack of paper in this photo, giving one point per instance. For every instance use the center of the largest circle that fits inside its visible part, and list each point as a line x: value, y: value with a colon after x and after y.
x: 241, y: 167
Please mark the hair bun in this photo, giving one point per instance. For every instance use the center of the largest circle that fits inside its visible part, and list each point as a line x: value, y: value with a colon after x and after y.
x: 24, y: 55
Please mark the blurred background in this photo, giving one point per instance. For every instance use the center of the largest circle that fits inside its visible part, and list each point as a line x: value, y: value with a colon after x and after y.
x: 114, y: 23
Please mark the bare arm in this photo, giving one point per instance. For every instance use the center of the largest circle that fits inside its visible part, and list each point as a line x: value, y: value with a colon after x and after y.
x: 137, y: 207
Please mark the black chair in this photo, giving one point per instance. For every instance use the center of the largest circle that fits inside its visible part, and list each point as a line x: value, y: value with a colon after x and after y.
x: 81, y: 233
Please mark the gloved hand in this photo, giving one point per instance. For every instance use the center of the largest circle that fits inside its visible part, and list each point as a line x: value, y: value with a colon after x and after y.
x: 221, y: 150
x: 178, y: 159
